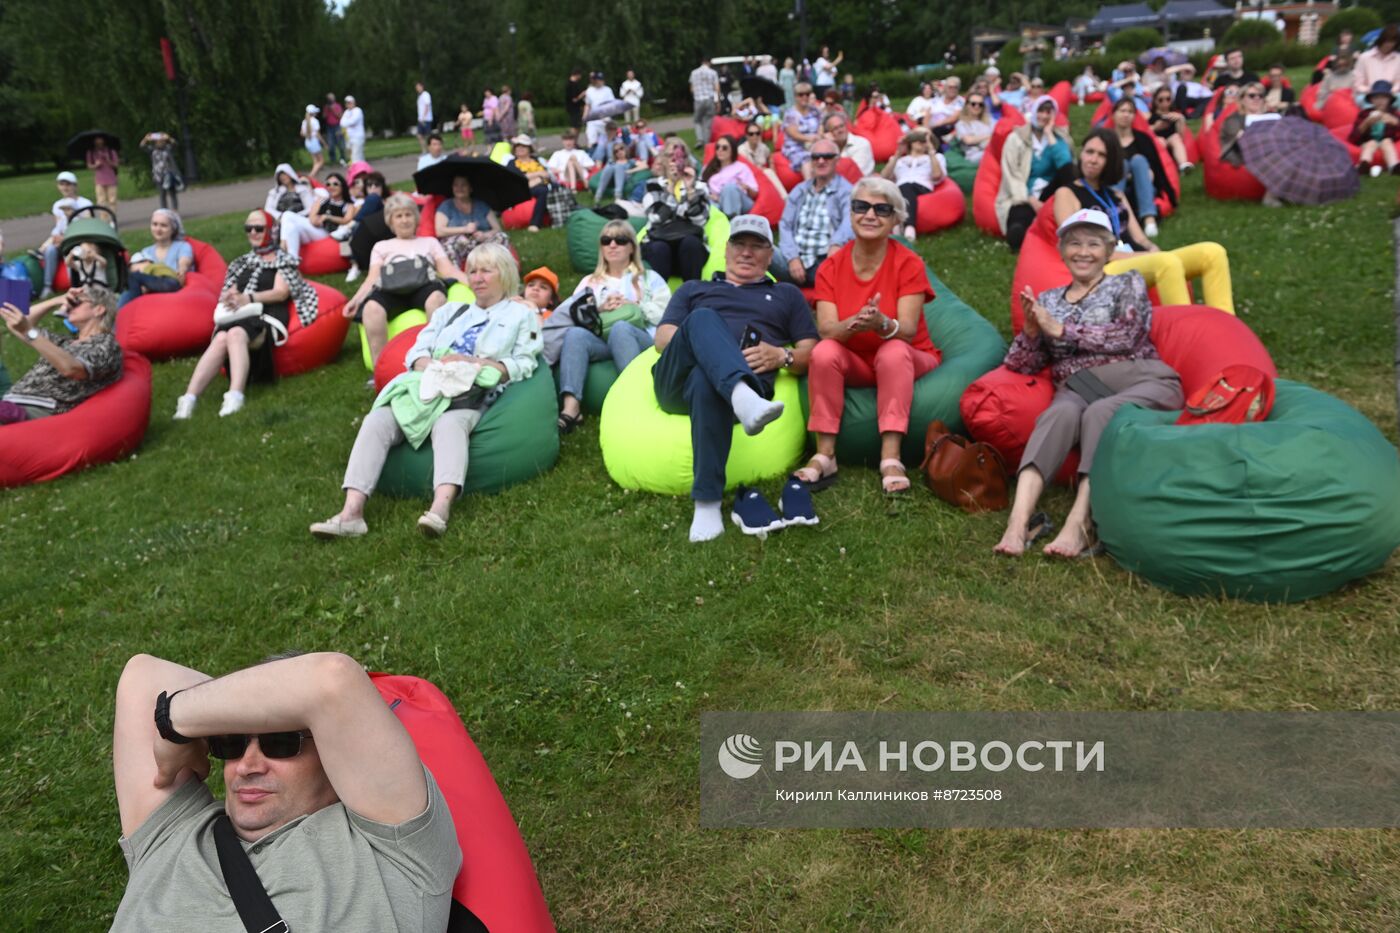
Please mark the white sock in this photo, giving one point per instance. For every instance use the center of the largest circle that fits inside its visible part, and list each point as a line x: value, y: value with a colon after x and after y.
x: 232, y: 394
x: 753, y: 410
x: 708, y: 522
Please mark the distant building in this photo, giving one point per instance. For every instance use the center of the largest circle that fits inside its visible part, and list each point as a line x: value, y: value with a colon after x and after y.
x: 1301, y: 21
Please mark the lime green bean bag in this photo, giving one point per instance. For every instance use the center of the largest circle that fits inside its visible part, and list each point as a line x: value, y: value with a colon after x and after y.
x: 960, y: 170
x: 1277, y: 511
x: 581, y: 231
x: 412, y: 318
x: 646, y: 448
x: 970, y: 346
x: 517, y: 439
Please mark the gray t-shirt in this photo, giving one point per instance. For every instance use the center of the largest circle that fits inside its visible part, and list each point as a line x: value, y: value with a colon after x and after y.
x: 329, y: 870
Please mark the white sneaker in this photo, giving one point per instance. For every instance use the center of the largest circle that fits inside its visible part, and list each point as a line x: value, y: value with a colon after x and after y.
x: 335, y: 527
x: 1185, y: 167
x: 353, y: 274
x: 1149, y: 227
x: 1376, y: 171
x: 341, y: 233
x: 184, y: 407
x: 233, y: 401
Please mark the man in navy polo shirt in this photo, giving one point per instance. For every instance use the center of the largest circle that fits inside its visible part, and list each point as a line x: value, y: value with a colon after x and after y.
x: 704, y: 373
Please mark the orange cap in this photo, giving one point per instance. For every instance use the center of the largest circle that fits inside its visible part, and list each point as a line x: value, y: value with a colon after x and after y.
x: 546, y: 273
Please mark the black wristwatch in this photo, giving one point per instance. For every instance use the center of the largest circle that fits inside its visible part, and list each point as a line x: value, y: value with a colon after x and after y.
x: 163, y: 726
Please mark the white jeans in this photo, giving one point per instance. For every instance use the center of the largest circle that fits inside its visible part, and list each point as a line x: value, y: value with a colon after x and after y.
x: 357, y: 146
x: 296, y: 231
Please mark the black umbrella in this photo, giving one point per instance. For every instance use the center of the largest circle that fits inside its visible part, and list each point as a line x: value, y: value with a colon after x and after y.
x: 79, y: 145
x: 498, y: 185
x: 762, y: 89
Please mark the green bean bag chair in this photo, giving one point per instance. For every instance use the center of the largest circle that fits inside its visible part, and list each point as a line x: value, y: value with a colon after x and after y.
x: 960, y: 170
x: 517, y: 439
x: 412, y: 318
x: 970, y: 347
x: 581, y: 231
x: 647, y: 448
x: 1278, y: 511
x: 596, y: 385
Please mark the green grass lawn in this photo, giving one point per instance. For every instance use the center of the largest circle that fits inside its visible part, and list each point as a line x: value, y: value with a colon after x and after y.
x: 580, y: 636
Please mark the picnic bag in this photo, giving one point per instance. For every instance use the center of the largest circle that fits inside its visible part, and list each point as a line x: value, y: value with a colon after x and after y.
x: 970, y: 475
x: 404, y: 275
x: 561, y: 203
x: 1238, y: 394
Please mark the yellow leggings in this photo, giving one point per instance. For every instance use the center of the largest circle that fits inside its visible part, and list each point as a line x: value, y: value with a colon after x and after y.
x: 1169, y: 271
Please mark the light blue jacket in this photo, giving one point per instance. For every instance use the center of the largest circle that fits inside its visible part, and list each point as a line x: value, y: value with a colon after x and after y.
x: 512, y: 335
x: 839, y: 204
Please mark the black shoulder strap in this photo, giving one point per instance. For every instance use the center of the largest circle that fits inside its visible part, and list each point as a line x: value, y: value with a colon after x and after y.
x: 255, y: 908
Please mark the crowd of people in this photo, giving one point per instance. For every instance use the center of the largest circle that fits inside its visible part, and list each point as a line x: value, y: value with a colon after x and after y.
x: 831, y: 293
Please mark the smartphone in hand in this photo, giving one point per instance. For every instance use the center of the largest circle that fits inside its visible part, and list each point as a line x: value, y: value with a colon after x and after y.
x: 752, y: 338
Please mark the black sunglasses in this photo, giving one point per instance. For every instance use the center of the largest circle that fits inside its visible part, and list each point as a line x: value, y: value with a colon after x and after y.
x: 859, y: 207
x: 753, y: 133
x: 823, y: 156
x: 272, y: 745
x: 1252, y: 94
x: 614, y: 241
x: 254, y: 228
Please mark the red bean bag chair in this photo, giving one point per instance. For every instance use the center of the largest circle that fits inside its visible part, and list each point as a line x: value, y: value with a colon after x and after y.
x: 496, y: 888
x: 1308, y: 101
x: 1198, y: 342
x: 988, y: 180
x: 102, y: 429
x: 322, y: 257
x: 1063, y: 95
x: 1193, y: 147
x: 727, y: 126
x: 848, y: 170
x: 1342, y: 134
x: 1223, y: 181
x: 310, y: 347
x: 943, y: 207
x: 1340, y: 110
x: 789, y: 176
x: 1095, y: 97
x: 390, y: 362
x: 518, y: 217
x: 162, y: 325
x: 1102, y: 112
x: 881, y: 130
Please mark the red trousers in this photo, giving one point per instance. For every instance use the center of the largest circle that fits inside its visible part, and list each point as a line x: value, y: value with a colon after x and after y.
x: 892, y: 372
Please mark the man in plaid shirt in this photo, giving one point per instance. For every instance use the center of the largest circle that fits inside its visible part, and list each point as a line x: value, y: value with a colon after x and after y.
x: 704, y: 87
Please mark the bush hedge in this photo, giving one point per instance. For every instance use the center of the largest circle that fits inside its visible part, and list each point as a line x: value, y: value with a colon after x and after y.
x: 1359, y: 19
x: 1132, y: 41
x: 1250, y: 33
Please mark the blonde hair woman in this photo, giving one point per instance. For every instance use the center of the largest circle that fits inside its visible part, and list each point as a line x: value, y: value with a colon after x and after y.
x: 497, y: 337
x: 630, y: 299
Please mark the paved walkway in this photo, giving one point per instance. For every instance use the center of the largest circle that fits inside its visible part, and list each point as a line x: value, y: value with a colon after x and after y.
x: 213, y: 200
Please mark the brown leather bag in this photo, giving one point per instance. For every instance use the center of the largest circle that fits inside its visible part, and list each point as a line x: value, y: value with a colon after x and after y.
x: 970, y: 475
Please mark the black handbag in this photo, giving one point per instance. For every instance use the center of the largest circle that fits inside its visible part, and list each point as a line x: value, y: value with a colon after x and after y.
x: 404, y: 275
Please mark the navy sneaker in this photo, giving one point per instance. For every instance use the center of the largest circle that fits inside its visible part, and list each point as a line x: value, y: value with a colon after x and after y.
x: 796, y: 503
x: 753, y: 514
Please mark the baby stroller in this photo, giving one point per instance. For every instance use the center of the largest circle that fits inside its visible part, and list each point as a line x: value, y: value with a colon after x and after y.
x: 102, y: 234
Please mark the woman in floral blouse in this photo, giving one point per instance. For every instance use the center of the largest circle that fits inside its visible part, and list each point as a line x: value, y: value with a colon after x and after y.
x: 1095, y: 335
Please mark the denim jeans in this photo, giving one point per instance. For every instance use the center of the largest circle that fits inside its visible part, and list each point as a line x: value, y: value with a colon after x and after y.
x: 50, y: 264
x: 140, y: 283
x: 335, y: 152
x: 1143, y: 195
x: 734, y: 200
x: 614, y: 173
x: 695, y: 376
x: 581, y: 347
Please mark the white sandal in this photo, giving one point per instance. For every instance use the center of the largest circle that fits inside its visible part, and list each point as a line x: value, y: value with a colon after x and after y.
x: 889, y: 483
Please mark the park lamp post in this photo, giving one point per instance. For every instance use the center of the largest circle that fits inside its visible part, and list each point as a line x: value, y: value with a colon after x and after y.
x: 514, y: 66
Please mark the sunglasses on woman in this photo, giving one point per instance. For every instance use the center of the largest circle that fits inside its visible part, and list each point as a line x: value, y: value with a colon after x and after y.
x: 254, y: 228
x: 974, y: 103
x: 859, y: 207
x: 272, y: 745
x: 614, y: 241
x: 1253, y: 94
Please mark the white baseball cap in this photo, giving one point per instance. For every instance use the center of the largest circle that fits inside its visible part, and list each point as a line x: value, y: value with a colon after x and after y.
x: 68, y: 177
x: 753, y: 225
x: 312, y: 108
x: 1087, y: 217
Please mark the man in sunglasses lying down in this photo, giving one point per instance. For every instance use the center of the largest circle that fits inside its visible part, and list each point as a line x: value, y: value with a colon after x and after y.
x: 325, y: 794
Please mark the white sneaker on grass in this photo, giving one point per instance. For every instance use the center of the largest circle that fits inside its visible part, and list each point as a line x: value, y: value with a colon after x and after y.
x: 233, y: 401
x: 184, y: 407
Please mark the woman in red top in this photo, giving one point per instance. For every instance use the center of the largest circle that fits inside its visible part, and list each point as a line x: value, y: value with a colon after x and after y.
x: 870, y: 300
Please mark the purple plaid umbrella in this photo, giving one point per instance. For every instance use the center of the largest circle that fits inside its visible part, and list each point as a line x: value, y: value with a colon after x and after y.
x: 1173, y: 56
x: 609, y: 109
x: 1299, y: 161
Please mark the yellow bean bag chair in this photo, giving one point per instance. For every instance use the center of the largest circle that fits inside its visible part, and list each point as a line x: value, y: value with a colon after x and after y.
x: 649, y: 449
x: 413, y: 317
